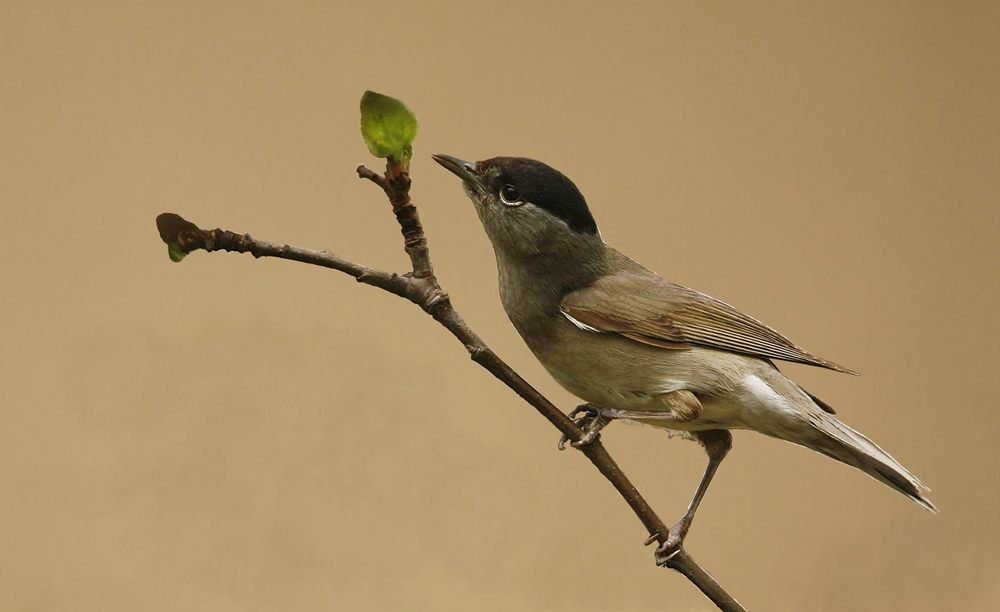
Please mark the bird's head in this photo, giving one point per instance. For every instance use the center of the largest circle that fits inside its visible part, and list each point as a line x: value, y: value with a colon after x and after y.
x: 527, y: 207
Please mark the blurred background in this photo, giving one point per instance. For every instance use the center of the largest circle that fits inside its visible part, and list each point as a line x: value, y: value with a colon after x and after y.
x: 233, y: 434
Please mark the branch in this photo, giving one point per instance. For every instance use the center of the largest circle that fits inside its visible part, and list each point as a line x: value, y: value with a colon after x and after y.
x: 421, y: 287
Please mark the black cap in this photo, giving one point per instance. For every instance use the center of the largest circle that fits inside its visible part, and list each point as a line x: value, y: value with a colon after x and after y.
x: 543, y: 186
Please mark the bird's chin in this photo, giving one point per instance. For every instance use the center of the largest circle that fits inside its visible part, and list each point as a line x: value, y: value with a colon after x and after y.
x: 471, y: 190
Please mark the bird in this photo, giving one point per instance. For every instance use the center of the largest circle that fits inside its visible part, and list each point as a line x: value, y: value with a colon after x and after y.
x: 636, y: 347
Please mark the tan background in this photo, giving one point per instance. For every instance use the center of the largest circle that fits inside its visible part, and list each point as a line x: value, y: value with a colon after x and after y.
x: 232, y: 434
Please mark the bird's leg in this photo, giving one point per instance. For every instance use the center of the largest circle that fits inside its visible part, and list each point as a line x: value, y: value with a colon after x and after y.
x: 717, y: 443
x: 684, y: 406
x: 592, y: 423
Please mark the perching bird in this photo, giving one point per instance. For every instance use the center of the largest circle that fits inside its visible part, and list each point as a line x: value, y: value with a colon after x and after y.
x: 638, y: 347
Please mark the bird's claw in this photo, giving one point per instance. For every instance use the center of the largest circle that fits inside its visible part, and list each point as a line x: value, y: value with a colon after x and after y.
x: 589, y: 411
x: 672, y: 545
x: 592, y: 422
x: 592, y: 431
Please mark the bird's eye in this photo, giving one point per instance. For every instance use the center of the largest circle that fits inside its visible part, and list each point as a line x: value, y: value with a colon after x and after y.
x: 510, y: 195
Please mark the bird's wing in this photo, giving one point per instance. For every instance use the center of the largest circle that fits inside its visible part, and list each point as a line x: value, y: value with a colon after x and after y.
x: 649, y: 309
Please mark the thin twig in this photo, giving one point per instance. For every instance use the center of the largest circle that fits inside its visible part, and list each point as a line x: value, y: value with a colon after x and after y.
x: 421, y: 287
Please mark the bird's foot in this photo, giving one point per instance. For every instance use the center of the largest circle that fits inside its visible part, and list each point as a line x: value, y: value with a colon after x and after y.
x: 672, y: 545
x: 591, y: 421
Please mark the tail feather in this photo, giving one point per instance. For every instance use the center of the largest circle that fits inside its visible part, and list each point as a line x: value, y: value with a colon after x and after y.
x: 842, y: 443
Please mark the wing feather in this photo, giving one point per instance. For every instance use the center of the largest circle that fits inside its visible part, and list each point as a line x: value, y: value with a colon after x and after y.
x: 649, y: 309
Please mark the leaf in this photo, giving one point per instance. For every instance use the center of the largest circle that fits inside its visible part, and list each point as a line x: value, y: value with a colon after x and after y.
x: 175, y: 252
x: 388, y: 127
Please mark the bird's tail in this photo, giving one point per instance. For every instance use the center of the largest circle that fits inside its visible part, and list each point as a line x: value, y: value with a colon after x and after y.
x: 840, y: 442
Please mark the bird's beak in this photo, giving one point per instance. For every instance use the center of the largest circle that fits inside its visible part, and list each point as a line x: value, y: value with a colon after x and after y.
x: 463, y: 169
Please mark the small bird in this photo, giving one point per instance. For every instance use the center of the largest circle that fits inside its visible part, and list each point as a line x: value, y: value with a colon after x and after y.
x: 637, y: 347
